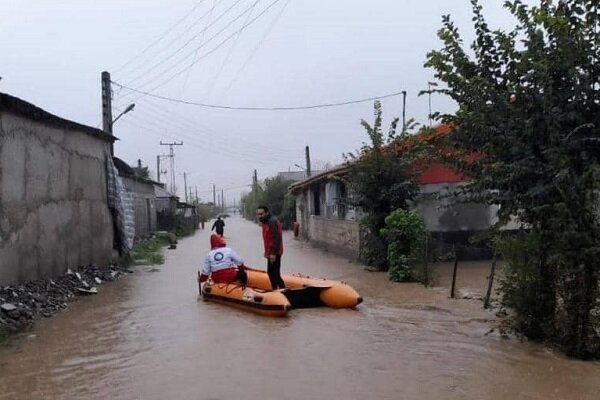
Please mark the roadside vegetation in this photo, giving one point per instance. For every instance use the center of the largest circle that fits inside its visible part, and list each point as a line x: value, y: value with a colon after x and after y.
x: 150, y: 251
x: 528, y: 122
x: 274, y: 194
x: 382, y: 180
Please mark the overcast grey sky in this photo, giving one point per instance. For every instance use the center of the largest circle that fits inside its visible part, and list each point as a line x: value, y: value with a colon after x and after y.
x: 298, y: 52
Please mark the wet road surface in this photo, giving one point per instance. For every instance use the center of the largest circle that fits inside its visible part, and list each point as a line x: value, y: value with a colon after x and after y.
x: 149, y: 336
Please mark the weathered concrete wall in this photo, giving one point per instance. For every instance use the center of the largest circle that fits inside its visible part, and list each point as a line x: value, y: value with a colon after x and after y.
x: 53, y: 205
x: 144, y: 203
x: 338, y: 236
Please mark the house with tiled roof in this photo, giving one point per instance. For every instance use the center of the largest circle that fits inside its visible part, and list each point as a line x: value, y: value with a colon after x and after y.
x: 325, y: 218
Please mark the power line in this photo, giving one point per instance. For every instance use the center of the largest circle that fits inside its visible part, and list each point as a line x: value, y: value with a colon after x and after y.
x: 161, y: 37
x: 204, y: 146
x: 187, y: 77
x: 226, y: 59
x: 172, y: 119
x: 175, y: 75
x: 170, y: 56
x: 260, y: 42
x: 289, y: 108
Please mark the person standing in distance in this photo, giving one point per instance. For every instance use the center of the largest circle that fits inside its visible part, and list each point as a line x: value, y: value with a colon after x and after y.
x: 219, y: 226
x: 273, y: 243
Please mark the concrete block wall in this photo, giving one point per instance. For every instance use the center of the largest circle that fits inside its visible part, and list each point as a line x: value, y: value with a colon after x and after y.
x: 339, y: 236
x: 144, y: 203
x: 53, y: 203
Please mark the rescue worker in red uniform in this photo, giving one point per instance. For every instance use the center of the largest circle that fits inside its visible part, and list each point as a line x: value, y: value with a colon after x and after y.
x: 273, y: 244
x: 222, y: 264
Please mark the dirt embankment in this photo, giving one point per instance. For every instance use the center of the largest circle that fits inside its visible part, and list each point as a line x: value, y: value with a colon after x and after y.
x: 20, y: 305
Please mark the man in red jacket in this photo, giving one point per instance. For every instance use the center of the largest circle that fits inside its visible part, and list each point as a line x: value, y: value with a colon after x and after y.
x: 273, y: 242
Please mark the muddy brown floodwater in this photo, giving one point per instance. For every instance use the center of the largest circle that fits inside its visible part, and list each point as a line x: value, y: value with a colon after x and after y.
x: 149, y: 336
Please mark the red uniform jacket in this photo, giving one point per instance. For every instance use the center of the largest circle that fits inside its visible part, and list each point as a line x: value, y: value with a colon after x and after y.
x: 272, y: 237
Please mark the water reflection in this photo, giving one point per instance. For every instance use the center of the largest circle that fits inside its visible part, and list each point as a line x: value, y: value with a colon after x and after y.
x: 148, y: 336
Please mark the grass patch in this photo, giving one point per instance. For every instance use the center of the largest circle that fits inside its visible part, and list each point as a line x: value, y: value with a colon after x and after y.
x: 149, y: 251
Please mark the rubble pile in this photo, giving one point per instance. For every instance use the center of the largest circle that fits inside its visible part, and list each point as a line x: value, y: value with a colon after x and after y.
x: 21, y: 304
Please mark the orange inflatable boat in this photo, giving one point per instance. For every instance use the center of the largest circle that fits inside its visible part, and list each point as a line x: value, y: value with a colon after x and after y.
x: 265, y: 302
x: 317, y: 291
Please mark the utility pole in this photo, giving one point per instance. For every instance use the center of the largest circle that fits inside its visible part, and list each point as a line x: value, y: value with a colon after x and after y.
x: 107, y: 107
x: 254, y: 181
x: 197, y: 194
x: 403, y: 111
x: 222, y: 200
x: 429, y: 85
x: 158, y: 168
x: 172, y: 156
x: 185, y: 186
x: 214, y: 196
x: 158, y: 157
x: 308, y: 174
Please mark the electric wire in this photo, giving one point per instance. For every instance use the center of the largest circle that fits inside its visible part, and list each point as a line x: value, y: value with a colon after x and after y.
x: 208, y: 145
x: 255, y: 49
x: 173, y: 54
x: 168, y: 46
x: 161, y: 134
x: 227, y: 56
x: 160, y: 38
x: 245, y: 108
x: 189, y: 72
x: 193, y: 125
x: 175, y: 75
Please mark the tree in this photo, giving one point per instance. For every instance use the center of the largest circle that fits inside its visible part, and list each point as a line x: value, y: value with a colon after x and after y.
x: 140, y: 171
x: 527, y: 131
x: 380, y: 181
x: 279, y: 202
x: 275, y: 196
x: 250, y: 201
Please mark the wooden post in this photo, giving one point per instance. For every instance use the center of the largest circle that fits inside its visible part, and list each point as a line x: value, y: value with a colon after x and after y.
x: 426, y: 261
x: 452, y: 290
x: 486, y: 303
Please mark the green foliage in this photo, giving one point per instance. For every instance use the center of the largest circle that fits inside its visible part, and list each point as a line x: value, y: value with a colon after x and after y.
x: 380, y: 181
x: 288, y: 212
x: 276, y: 189
x: 149, y: 251
x: 405, y: 235
x: 527, y: 131
x: 524, y: 284
x: 373, y: 249
x: 250, y: 201
x: 205, y: 211
x: 165, y: 238
x: 275, y: 196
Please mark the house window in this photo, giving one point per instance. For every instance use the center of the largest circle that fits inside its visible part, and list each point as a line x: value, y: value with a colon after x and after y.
x: 335, y: 193
x: 317, y: 201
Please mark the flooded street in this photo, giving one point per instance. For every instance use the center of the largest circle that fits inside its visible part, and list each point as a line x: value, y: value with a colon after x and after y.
x: 149, y: 336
